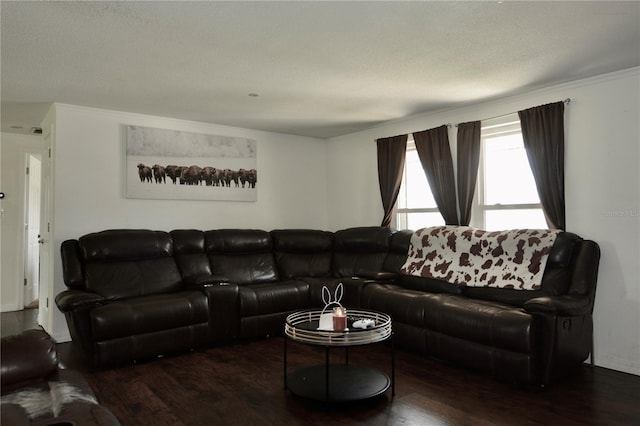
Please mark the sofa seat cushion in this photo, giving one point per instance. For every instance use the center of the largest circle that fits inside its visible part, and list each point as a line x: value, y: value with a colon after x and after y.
x: 149, y: 314
x: 268, y: 298
x: 404, y: 305
x: 487, y: 323
x: 430, y: 285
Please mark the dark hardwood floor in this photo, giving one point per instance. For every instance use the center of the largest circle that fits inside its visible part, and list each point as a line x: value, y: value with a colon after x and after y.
x: 242, y: 384
x: 15, y: 322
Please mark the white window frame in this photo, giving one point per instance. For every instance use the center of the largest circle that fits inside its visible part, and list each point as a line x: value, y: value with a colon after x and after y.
x: 505, y: 125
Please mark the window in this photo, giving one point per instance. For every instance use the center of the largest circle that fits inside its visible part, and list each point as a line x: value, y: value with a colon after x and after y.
x: 506, y: 192
x: 416, y: 206
x: 506, y: 195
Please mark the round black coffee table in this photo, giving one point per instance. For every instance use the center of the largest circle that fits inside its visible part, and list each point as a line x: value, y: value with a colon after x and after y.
x: 338, y: 382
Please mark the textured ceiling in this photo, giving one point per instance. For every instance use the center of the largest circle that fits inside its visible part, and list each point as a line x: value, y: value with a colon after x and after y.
x: 321, y: 69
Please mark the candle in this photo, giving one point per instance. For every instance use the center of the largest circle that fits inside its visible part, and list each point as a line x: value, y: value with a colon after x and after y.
x: 339, y: 318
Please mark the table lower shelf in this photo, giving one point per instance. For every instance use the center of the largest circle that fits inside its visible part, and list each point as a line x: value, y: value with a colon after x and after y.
x: 346, y: 382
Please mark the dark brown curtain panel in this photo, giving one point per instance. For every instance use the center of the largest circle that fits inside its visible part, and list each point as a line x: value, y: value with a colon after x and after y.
x: 391, y: 155
x: 543, y: 135
x: 468, y: 160
x: 435, y: 156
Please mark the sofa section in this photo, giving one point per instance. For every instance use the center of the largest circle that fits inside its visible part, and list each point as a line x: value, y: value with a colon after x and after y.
x: 527, y: 336
x: 36, y: 391
x: 246, y: 258
x: 479, y: 334
x: 126, y: 297
x: 356, y: 259
x: 136, y: 294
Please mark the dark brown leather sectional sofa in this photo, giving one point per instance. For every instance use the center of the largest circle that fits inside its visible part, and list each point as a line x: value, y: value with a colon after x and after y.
x: 36, y: 391
x: 136, y: 294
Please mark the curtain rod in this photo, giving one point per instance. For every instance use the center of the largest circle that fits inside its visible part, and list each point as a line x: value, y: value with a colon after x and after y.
x: 566, y: 101
x: 449, y: 125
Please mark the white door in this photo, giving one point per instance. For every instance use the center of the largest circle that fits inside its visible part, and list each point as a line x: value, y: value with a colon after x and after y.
x: 1, y: 212
x: 32, y: 232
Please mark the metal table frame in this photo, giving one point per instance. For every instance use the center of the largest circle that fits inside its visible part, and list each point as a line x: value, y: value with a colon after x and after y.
x: 302, y: 327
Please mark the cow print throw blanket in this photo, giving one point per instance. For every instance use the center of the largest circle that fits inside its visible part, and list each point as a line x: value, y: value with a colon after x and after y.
x: 461, y: 255
x: 40, y: 402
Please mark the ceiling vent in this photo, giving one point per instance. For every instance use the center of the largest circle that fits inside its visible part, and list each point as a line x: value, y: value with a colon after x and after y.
x: 36, y: 130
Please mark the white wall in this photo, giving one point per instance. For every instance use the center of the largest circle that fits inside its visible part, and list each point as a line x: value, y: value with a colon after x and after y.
x: 602, y: 127
x: 14, y: 148
x: 88, y: 158
x: 305, y: 182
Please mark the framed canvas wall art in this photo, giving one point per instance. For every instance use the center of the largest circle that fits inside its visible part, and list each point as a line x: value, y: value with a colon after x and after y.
x: 177, y: 165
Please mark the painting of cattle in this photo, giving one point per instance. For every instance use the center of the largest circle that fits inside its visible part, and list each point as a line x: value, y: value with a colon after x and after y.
x: 178, y: 165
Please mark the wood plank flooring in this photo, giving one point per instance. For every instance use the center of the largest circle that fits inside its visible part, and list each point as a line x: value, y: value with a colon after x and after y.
x: 17, y: 321
x: 242, y: 384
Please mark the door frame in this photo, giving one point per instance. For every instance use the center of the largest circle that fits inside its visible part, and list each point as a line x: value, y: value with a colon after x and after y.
x: 45, y: 311
x: 15, y: 149
x: 32, y: 218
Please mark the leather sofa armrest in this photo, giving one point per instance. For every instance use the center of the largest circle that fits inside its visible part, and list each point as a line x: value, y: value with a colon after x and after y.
x: 71, y: 300
x: 380, y: 276
x: 566, y: 305
x: 224, y: 310
x: 200, y: 283
x: 28, y: 356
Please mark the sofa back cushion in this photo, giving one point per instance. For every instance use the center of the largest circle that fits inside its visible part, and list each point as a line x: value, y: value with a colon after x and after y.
x: 126, y: 263
x: 357, y: 251
x: 188, y: 247
x: 244, y: 256
x: 302, y: 252
x: 398, y: 248
x: 555, y: 281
